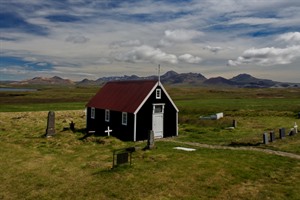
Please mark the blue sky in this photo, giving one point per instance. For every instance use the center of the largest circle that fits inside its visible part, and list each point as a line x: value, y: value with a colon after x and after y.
x: 79, y: 39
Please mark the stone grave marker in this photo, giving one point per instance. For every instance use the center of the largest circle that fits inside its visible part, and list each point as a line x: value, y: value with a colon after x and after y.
x: 150, y: 142
x: 122, y: 156
x: 265, y: 138
x: 282, y: 133
x: 296, y: 128
x: 234, y: 123
x: 50, y: 130
x: 72, y: 126
x: 272, y: 136
x: 292, y: 132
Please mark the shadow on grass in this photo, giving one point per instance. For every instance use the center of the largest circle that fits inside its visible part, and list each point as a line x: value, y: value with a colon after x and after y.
x: 114, y: 169
x: 244, y: 144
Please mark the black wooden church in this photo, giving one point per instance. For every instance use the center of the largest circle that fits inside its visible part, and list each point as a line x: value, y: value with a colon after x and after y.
x: 128, y: 110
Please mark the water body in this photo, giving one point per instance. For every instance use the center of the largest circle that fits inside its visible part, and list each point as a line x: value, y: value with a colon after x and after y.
x: 17, y: 90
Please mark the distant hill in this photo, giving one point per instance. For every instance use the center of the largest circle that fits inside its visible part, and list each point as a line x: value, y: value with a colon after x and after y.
x: 220, y: 81
x: 55, y: 80
x: 246, y: 80
x: 170, y: 77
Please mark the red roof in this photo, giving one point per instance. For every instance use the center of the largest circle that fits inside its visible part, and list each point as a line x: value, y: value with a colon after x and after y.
x: 123, y: 96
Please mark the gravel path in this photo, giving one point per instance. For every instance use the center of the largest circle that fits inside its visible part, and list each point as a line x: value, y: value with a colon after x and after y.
x: 269, y: 151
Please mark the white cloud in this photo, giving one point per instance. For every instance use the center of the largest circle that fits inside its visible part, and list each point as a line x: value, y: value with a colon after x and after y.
x: 213, y: 49
x: 42, y: 64
x: 290, y: 37
x: 254, y: 21
x: 181, y: 35
x: 30, y: 59
x: 128, y: 43
x: 13, y: 70
x: 77, y: 39
x: 164, y: 43
x: 146, y: 53
x: 267, y: 56
x: 188, y: 58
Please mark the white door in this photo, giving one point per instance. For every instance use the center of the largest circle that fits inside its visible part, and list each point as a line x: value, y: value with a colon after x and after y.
x: 158, y: 121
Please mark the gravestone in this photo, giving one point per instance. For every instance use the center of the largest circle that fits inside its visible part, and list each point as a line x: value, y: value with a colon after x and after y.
x: 150, y: 142
x: 265, y: 138
x: 292, y: 132
x: 272, y: 136
x: 282, y: 133
x: 50, y: 130
x: 296, y: 127
x: 122, y: 156
x: 72, y: 126
x: 234, y: 123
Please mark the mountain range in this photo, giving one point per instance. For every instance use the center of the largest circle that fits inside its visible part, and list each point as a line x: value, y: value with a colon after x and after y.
x: 171, y: 78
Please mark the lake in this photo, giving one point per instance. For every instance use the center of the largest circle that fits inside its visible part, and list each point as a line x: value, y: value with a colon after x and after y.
x: 17, y: 90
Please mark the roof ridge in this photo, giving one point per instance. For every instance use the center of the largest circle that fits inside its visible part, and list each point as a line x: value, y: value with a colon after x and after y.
x: 127, y: 81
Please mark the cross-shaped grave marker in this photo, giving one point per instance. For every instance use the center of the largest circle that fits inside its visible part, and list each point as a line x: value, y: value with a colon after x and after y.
x: 108, y: 131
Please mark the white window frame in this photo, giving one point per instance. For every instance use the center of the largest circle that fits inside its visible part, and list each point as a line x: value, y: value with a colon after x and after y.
x: 158, y: 104
x: 93, y: 113
x: 124, y: 118
x: 158, y: 93
x: 107, y: 115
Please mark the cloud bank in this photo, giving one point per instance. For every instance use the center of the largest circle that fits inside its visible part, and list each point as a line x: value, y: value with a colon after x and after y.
x: 268, y: 56
x: 78, y: 38
x: 146, y: 53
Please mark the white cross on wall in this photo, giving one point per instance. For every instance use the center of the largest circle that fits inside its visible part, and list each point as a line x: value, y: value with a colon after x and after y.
x: 108, y: 131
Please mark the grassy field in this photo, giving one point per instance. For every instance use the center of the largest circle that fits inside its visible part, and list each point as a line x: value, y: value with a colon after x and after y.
x: 67, y: 167
x: 47, y: 98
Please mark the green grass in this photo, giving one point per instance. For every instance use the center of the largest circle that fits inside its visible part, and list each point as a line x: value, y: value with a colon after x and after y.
x: 47, y: 98
x: 42, y: 107
x: 66, y: 167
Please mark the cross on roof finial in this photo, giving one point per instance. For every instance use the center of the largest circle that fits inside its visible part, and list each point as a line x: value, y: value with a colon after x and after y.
x: 158, y: 73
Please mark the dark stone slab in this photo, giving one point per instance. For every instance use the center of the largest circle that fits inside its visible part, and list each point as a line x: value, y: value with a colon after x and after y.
x: 50, y: 130
x: 150, y: 141
x: 292, y: 132
x: 265, y: 138
x: 122, y: 158
x: 234, y: 123
x: 282, y: 133
x: 72, y: 126
x: 272, y: 136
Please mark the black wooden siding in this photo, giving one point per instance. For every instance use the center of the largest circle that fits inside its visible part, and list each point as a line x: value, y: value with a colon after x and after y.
x: 123, y: 132
x: 144, y: 117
